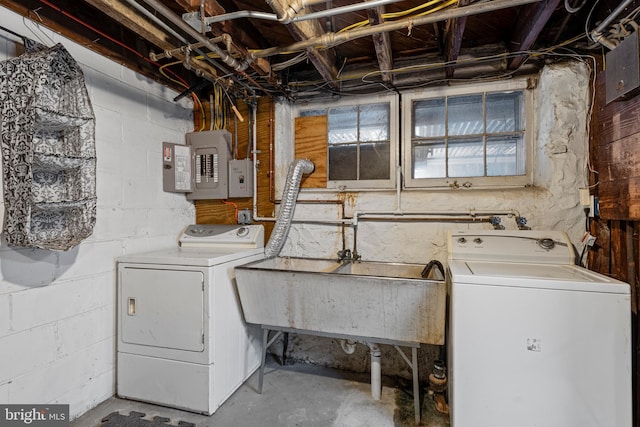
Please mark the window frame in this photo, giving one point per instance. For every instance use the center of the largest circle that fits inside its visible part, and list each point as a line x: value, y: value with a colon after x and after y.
x: 408, y: 99
x: 394, y: 139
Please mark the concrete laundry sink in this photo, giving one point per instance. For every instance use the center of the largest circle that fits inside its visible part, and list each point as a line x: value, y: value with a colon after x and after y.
x: 385, y: 301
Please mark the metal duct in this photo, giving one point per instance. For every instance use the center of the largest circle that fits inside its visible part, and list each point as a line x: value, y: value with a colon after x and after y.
x: 297, y: 168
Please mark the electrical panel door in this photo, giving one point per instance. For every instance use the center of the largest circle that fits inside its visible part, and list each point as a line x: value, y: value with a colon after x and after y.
x: 210, y: 158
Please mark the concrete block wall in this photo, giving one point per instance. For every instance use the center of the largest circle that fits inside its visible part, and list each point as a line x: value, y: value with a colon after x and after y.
x: 57, y: 309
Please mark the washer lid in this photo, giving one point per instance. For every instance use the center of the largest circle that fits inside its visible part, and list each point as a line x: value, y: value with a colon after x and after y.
x: 553, y: 247
x: 531, y: 275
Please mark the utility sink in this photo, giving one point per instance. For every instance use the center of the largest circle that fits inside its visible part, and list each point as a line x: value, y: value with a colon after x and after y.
x: 385, y: 301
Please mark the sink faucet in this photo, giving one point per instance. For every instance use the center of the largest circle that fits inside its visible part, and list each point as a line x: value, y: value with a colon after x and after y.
x: 346, y: 255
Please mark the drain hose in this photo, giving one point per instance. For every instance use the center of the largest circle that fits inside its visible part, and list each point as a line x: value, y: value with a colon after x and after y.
x: 297, y: 168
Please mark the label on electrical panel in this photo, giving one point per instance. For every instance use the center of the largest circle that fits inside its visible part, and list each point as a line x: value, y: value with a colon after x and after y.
x: 182, y: 167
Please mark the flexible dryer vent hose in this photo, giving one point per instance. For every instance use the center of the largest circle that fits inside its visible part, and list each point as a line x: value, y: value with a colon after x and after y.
x: 297, y: 168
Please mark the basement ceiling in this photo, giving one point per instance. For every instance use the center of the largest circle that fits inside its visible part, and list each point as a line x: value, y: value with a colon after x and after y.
x: 302, y: 49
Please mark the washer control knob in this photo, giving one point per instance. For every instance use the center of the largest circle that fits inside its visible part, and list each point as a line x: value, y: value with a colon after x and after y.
x: 242, y: 231
x: 546, y: 243
x: 477, y: 241
x: 462, y: 240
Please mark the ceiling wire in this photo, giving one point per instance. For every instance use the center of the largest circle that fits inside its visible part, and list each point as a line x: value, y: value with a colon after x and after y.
x: 197, y: 104
x: 440, y: 65
x: 573, y: 9
x: 303, y: 55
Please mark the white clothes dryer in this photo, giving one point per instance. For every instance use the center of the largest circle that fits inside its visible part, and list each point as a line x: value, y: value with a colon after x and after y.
x: 182, y: 339
x: 533, y: 339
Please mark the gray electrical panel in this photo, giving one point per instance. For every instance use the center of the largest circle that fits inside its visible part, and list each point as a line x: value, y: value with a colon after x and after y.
x: 202, y: 168
x: 623, y: 69
x: 240, y: 178
x: 210, y: 158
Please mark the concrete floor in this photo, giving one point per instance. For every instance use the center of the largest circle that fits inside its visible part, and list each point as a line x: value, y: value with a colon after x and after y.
x: 296, y: 395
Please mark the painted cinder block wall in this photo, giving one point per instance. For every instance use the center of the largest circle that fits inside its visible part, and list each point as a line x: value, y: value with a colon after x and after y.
x: 57, y: 309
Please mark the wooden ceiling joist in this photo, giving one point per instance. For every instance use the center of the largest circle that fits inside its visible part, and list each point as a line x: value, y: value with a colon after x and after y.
x: 453, y: 33
x: 135, y: 22
x: 382, y: 44
x: 323, y: 60
x: 531, y: 20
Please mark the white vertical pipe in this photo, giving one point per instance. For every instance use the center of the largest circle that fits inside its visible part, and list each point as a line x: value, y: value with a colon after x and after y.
x: 376, y: 371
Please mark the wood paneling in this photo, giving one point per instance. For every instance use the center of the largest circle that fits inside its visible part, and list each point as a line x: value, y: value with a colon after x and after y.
x: 311, y: 143
x: 615, y: 154
x: 615, y: 138
x: 215, y: 211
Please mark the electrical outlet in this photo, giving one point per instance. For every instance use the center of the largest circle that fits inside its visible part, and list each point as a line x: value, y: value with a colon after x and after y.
x: 584, y: 197
x: 594, y: 208
x: 244, y: 216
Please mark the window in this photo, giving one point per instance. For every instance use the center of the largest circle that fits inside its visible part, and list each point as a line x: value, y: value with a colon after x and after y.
x: 468, y: 136
x: 362, y: 141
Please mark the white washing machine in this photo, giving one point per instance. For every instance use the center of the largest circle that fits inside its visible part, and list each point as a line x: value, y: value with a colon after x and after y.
x: 535, y: 340
x: 182, y: 340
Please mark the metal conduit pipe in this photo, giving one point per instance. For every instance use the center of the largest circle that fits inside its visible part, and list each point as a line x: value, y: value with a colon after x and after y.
x: 183, y: 49
x: 292, y: 16
x: 334, y: 39
x: 241, y: 14
x: 609, y: 19
x: 169, y: 30
x: 597, y: 36
x: 188, y: 29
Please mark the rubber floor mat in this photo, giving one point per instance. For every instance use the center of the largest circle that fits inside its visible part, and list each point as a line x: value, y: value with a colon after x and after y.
x: 136, y: 419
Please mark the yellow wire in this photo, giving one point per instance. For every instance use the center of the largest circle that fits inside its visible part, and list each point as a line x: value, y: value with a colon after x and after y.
x: 423, y: 67
x: 392, y: 15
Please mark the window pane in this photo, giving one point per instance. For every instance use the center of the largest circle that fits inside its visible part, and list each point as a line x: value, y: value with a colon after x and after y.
x: 465, y: 115
x: 504, y: 112
x: 505, y: 155
x: 374, y: 122
x: 466, y: 157
x: 429, y: 160
x: 308, y: 113
x: 343, y: 125
x: 342, y: 162
x: 374, y: 160
x: 428, y: 118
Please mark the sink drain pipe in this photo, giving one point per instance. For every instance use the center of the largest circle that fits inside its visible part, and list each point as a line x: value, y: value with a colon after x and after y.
x: 376, y: 375
x: 297, y: 168
x: 349, y: 347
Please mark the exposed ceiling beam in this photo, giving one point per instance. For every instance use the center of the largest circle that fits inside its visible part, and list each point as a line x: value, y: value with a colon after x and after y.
x: 531, y: 20
x: 323, y: 60
x: 382, y: 43
x: 454, y: 30
x: 211, y: 7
